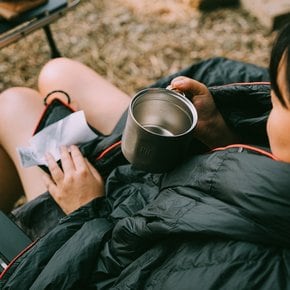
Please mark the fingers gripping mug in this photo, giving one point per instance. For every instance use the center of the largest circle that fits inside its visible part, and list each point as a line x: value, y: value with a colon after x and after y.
x: 158, y: 129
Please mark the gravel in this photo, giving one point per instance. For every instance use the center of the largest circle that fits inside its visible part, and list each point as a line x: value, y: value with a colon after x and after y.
x: 133, y: 43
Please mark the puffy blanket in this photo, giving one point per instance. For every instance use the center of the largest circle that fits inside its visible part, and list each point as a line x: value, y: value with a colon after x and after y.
x: 220, y: 220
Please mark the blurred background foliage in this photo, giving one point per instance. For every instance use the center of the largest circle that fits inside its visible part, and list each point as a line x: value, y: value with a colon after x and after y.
x: 134, y: 42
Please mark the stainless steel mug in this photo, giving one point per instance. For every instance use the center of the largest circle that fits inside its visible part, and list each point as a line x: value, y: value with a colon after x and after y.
x: 158, y: 129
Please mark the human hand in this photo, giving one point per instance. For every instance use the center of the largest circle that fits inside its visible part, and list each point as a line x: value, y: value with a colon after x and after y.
x: 211, y: 128
x: 76, y: 184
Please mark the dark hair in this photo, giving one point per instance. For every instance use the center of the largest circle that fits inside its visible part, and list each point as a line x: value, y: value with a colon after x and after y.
x: 281, y: 46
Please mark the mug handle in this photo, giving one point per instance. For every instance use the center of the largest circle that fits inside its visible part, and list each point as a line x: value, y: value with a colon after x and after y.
x: 170, y: 88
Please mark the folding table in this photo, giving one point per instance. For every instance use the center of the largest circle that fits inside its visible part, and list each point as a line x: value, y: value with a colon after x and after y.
x: 40, y: 17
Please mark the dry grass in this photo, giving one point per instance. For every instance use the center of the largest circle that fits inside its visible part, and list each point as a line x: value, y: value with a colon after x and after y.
x: 134, y: 42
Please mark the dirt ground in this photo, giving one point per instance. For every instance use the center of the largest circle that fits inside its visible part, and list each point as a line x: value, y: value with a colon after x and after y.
x: 134, y: 42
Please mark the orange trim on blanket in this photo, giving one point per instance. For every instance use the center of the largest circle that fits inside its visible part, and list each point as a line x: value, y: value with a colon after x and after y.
x: 18, y: 256
x: 107, y: 150
x: 258, y: 150
x: 244, y: 84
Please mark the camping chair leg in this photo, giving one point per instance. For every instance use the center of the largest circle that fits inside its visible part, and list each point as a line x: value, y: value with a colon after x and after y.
x: 53, y: 48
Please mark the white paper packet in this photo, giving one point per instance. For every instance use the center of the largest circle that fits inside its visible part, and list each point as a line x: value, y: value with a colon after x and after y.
x: 71, y: 130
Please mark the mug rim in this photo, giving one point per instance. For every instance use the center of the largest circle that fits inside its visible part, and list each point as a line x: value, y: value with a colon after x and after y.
x: 173, y: 93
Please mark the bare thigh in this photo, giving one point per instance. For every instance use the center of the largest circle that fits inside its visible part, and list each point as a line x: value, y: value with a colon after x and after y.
x: 10, y: 185
x: 20, y: 110
x: 102, y: 102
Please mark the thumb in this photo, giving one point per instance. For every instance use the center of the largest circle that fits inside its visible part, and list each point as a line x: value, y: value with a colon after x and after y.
x: 188, y: 85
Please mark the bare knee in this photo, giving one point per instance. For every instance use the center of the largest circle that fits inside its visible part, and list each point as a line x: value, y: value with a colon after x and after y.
x: 20, y: 109
x: 17, y: 99
x: 58, y: 74
x: 55, y: 71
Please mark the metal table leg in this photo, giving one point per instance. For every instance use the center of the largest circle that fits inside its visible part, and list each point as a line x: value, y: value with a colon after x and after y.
x: 53, y: 48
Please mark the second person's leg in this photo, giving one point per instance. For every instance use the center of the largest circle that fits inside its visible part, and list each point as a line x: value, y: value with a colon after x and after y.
x: 101, y: 101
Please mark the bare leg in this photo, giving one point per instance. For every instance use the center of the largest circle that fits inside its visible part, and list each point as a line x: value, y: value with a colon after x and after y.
x: 10, y: 184
x: 20, y: 109
x: 102, y: 102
